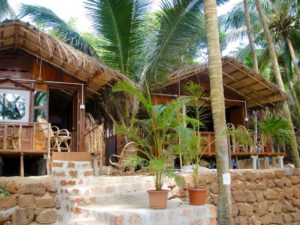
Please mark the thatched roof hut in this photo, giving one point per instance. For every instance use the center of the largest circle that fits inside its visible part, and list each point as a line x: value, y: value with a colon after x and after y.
x: 23, y: 36
x: 240, y: 83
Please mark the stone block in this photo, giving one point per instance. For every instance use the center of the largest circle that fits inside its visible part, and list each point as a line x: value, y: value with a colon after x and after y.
x: 51, y: 188
x: 44, y: 202
x: 241, y: 220
x: 287, y: 218
x: 214, y: 188
x: 4, y: 218
x: 250, y: 186
x: 254, y: 220
x: 237, y: 185
x: 239, y: 196
x: 295, y: 180
x: 296, y: 216
x: 261, y: 209
x: 73, y: 173
x: 38, y: 189
x: 209, y: 178
x: 245, y: 209
x: 235, y: 211
x: 12, y: 187
x: 296, y: 192
x: 22, y: 216
x: 275, y: 207
x: 8, y: 223
x: 261, y: 185
x: 266, y: 219
x: 296, y: 203
x: 287, y: 182
x: 259, y: 196
x: 270, y: 183
x: 250, y: 197
x: 277, y: 219
x: 279, y: 183
x: 270, y: 194
x: 287, y: 207
x: 47, y: 216
x: 25, y: 200
x: 8, y: 202
x: 71, y: 165
x: 57, y: 164
x: 279, y: 173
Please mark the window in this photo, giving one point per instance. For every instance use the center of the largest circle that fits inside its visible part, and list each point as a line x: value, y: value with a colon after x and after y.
x: 40, y: 106
x: 14, y: 105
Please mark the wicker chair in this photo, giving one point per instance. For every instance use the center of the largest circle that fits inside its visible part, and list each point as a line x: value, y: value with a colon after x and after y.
x: 60, y: 139
x: 129, y: 151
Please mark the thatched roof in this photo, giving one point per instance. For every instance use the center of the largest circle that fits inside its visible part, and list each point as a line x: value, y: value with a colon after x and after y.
x: 239, y: 82
x: 23, y: 36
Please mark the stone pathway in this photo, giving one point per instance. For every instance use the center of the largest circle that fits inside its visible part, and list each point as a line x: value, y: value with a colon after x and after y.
x: 119, y: 200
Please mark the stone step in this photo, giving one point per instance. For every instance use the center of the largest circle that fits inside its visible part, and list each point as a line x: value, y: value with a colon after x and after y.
x: 138, y: 213
x: 109, y: 188
x: 86, y: 221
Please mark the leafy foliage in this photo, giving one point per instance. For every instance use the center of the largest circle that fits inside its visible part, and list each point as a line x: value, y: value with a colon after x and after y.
x: 6, y: 11
x: 64, y: 31
x: 4, y: 191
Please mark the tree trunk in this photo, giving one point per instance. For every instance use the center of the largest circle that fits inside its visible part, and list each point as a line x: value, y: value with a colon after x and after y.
x: 218, y: 111
x: 250, y: 36
x: 278, y: 77
x: 293, y: 57
x: 294, y: 96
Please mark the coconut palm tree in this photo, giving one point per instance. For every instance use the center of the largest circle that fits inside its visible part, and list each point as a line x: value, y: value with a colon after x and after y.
x: 250, y: 36
x: 47, y: 19
x: 278, y: 77
x: 218, y: 111
x: 6, y: 11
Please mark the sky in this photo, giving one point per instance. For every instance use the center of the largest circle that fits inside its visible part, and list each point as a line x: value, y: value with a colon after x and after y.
x: 67, y: 9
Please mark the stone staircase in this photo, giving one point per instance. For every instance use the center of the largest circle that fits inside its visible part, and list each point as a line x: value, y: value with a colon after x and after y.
x: 119, y: 200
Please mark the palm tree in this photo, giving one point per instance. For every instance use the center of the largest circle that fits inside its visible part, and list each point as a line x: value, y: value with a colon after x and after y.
x: 250, y: 36
x: 46, y: 18
x: 278, y: 77
x: 6, y: 11
x: 218, y: 111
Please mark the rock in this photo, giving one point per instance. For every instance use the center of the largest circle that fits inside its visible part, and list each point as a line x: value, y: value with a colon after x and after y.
x: 25, y: 200
x: 239, y: 196
x: 296, y: 192
x: 277, y: 219
x: 12, y: 187
x: 287, y: 218
x: 296, y: 216
x: 270, y: 184
x: 296, y: 203
x: 214, y: 188
x: 259, y: 196
x: 261, y: 185
x: 295, y: 180
x: 237, y: 185
x: 245, y: 209
x: 38, y: 189
x: 250, y: 197
x: 235, y: 211
x: 209, y: 178
x: 4, y: 218
x: 8, y: 202
x: 275, y: 207
x: 44, y: 202
x: 287, y: 182
x: 51, y: 188
x: 241, y: 220
x: 22, y: 216
x: 47, y: 216
x: 266, y: 219
x: 261, y: 209
x: 8, y: 223
x: 270, y: 194
x: 279, y: 183
x: 287, y: 207
x: 255, y: 221
x: 279, y: 173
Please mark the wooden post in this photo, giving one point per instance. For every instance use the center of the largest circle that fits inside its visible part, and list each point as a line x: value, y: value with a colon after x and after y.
x: 47, y: 163
x: 5, y: 137
x: 95, y: 164
x: 22, y: 164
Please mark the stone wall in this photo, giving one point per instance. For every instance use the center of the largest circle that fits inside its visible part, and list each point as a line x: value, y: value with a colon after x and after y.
x: 259, y: 197
x: 31, y: 200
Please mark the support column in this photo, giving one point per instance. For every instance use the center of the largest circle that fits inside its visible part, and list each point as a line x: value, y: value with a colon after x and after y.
x: 22, y: 164
x: 254, y: 161
x: 280, y: 161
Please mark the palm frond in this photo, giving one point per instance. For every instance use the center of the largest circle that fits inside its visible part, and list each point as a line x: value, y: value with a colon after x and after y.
x: 48, y: 19
x: 6, y: 11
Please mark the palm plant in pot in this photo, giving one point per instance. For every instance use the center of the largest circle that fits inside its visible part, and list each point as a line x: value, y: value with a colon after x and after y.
x: 190, y: 141
x: 273, y: 128
x: 153, y: 129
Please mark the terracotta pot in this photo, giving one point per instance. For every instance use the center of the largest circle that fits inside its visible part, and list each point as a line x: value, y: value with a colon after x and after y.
x: 158, y: 199
x: 197, y: 196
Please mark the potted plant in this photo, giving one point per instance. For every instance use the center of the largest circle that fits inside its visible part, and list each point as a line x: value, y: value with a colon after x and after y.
x: 239, y: 137
x: 190, y: 141
x: 153, y: 129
